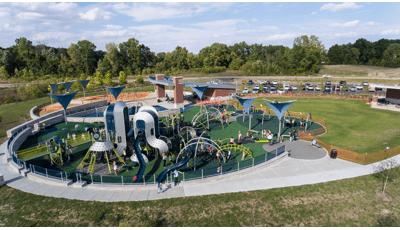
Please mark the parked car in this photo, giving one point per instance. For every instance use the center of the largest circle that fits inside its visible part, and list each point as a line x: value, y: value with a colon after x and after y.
x: 328, y: 83
x: 318, y: 88
x: 290, y: 90
x: 265, y: 90
x: 255, y: 90
x: 250, y: 82
x: 306, y: 85
x: 275, y: 82
x: 294, y: 87
x: 359, y: 87
x: 245, y: 91
x: 337, y: 88
x: 286, y: 86
x: 272, y: 90
x: 365, y: 83
x: 261, y: 82
x: 342, y: 83
x: 310, y: 87
x: 327, y: 76
x: 281, y: 91
x: 353, y: 89
x: 328, y: 87
x: 268, y: 83
x: 327, y: 91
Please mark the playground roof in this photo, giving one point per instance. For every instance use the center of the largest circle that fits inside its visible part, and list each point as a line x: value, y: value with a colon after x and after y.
x: 193, y: 84
x: 384, y: 86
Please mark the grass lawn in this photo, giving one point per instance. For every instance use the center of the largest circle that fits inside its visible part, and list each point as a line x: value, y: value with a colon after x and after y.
x: 351, y: 124
x: 349, y: 202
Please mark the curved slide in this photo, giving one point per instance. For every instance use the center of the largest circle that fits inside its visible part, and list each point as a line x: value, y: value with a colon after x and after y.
x: 139, y: 156
x: 165, y: 172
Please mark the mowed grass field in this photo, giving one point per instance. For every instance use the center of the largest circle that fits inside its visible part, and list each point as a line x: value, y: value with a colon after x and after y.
x: 351, y: 124
x: 349, y: 202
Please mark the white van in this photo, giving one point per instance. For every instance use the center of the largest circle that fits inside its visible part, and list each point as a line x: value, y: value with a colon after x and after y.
x: 286, y: 86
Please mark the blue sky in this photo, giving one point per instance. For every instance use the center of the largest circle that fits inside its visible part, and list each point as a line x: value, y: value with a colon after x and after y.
x: 164, y: 25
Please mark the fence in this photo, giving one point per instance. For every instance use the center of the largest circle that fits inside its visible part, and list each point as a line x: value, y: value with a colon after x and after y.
x: 355, y: 157
x: 149, y: 179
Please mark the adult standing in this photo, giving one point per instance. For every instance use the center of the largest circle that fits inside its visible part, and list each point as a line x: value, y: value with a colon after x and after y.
x: 294, y: 135
x: 243, y: 155
x: 229, y: 153
x: 176, y: 176
x: 218, y: 155
x: 293, y: 123
x: 124, y: 153
x: 270, y: 138
x: 239, y: 137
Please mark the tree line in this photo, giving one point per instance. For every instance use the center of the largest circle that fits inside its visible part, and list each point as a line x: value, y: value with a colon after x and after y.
x: 24, y: 61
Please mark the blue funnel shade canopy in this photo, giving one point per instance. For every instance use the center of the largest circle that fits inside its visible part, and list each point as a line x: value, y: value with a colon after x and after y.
x: 84, y: 83
x: 167, y: 78
x: 199, y: 90
x: 116, y: 90
x: 246, y: 103
x: 68, y: 85
x: 64, y: 99
x: 279, y: 107
x: 54, y: 87
x: 151, y: 78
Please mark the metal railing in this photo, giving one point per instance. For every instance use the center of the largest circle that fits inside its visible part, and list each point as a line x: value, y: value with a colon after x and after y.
x: 150, y: 179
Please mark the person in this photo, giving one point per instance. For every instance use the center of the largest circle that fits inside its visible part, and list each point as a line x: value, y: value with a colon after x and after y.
x: 218, y: 155
x: 219, y: 142
x: 227, y: 118
x: 166, y: 95
x: 74, y: 136
x: 164, y: 157
x: 302, y: 122
x: 232, y: 141
x: 176, y: 176
x: 219, y: 168
x: 210, y: 150
x: 313, y: 142
x: 270, y: 137
x: 229, y: 153
x: 83, y: 135
x: 134, y: 179
x: 263, y: 133
x: 294, y: 135
x: 159, y: 188
x: 291, y: 136
x: 243, y: 155
x: 124, y: 153
x: 115, y: 168
x: 293, y: 123
x: 170, y: 159
x: 68, y: 136
x: 239, y: 137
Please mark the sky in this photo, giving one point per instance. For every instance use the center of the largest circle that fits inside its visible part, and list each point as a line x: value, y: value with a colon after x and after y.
x: 162, y: 26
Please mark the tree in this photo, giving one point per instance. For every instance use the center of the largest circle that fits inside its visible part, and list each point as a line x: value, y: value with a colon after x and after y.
x: 135, y: 56
x: 335, y: 55
x: 122, y: 78
x: 139, y: 79
x: 391, y: 53
x: 261, y: 88
x: 387, y: 170
x: 108, y: 79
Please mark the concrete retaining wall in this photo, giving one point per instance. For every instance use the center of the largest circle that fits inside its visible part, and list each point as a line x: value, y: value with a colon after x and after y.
x: 48, y: 180
x: 71, y: 110
x: 19, y: 139
x: 48, y: 122
x: 32, y: 113
x: 86, y: 119
x: 88, y: 112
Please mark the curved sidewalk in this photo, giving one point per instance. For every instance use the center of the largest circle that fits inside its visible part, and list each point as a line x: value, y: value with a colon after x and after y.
x: 286, y: 173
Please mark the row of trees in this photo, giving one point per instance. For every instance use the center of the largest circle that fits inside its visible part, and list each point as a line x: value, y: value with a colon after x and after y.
x: 380, y: 53
x: 26, y: 61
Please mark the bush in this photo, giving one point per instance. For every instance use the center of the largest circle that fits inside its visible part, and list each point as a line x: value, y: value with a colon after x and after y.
x: 389, y: 220
x: 139, y: 79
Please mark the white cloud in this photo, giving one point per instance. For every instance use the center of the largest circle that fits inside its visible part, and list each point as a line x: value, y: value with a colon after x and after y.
x: 389, y: 32
x: 347, y: 24
x: 348, y: 34
x: 111, y: 33
x: 337, y: 7
x: 63, y: 6
x: 254, y: 19
x: 29, y: 15
x: 219, y: 23
x: 372, y: 23
x: 278, y: 37
x: 4, y: 14
x: 96, y: 14
x: 163, y: 10
x: 313, y: 13
x: 246, y: 31
x: 113, y: 27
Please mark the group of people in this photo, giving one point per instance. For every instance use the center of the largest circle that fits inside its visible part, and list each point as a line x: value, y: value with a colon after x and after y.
x: 164, y: 158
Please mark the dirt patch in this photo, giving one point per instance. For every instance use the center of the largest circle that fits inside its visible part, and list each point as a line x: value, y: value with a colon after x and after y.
x: 383, y: 196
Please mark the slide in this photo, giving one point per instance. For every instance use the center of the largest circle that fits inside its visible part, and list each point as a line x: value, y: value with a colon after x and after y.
x: 180, y: 164
x: 139, y: 156
x: 157, y: 143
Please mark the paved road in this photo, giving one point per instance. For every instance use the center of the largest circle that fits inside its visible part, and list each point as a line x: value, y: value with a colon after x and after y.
x: 286, y: 173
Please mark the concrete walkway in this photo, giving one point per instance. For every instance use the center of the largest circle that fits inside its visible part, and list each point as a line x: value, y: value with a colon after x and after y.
x: 286, y: 173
